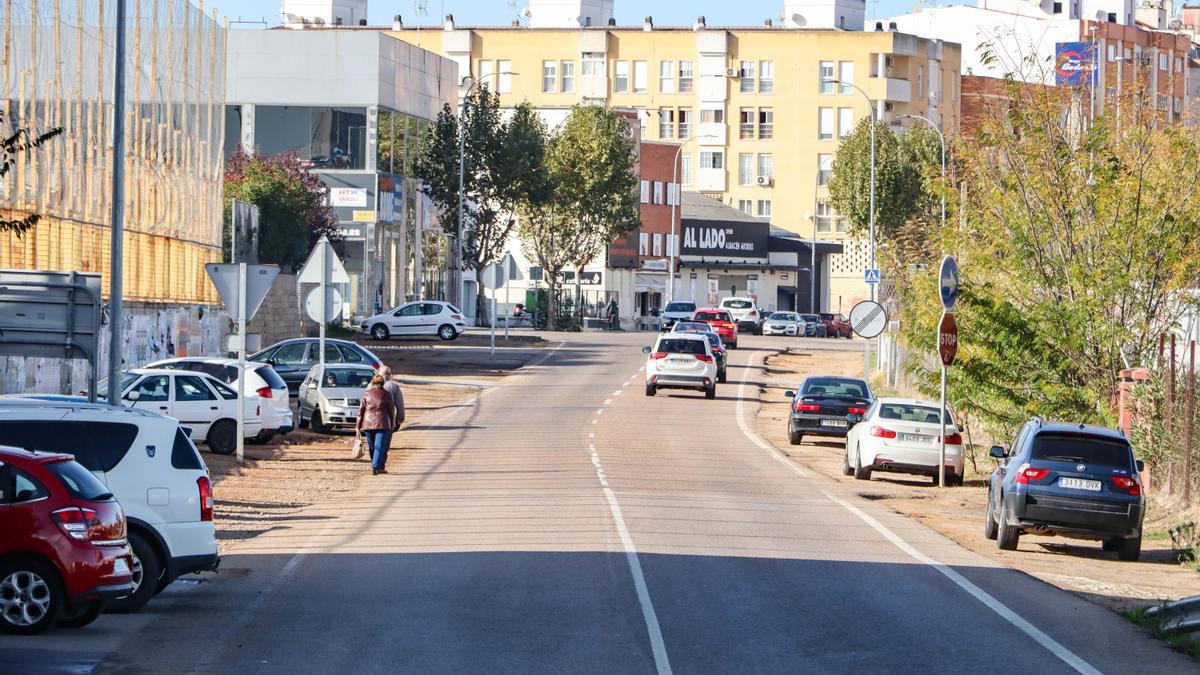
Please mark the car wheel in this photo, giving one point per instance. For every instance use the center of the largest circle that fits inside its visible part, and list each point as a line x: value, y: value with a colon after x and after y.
x: 651, y: 390
x: 734, y: 345
x: 147, y: 575
x: 954, y: 480
x: 795, y: 437
x: 847, y: 470
x: 318, y: 425
x: 222, y: 437
x: 31, y: 596
x: 1110, y: 544
x: 710, y: 392
x: 721, y: 377
x: 860, y: 472
x: 934, y: 477
x: 990, y: 528
x: 78, y: 617
x: 1129, y: 550
x: 447, y: 332
x: 1007, y: 536
x: 380, y: 332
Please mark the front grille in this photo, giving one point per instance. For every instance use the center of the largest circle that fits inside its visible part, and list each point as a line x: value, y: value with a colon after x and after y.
x: 352, y: 402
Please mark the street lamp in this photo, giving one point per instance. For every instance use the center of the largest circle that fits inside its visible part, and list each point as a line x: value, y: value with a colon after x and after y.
x: 462, y: 164
x: 942, y: 138
x: 678, y: 198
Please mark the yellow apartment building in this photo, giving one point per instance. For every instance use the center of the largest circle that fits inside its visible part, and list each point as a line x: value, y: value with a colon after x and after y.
x: 756, y: 105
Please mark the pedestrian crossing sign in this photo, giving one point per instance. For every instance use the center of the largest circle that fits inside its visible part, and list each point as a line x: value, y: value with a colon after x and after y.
x: 872, y: 276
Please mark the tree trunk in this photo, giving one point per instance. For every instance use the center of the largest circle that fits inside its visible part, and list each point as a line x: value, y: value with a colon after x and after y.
x: 551, y: 302
x: 480, y: 301
x: 579, y: 296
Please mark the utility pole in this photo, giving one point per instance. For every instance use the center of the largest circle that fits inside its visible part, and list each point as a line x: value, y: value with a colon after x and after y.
x: 117, y: 253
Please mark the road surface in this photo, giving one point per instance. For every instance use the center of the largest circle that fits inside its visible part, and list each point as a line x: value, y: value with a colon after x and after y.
x: 563, y: 522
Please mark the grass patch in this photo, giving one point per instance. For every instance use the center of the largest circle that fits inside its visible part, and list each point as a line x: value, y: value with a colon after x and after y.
x: 1151, y: 624
x: 1156, y: 535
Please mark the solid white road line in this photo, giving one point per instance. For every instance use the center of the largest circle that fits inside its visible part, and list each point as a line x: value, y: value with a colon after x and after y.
x: 755, y: 439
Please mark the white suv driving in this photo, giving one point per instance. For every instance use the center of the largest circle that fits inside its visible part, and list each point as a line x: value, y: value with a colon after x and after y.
x: 148, y: 463
x: 681, y: 361
x: 743, y: 311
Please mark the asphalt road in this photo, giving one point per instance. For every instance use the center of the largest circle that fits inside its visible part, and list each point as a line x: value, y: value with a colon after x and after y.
x: 564, y: 522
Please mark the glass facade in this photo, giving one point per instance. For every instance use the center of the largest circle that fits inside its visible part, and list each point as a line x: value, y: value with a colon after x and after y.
x: 325, y: 138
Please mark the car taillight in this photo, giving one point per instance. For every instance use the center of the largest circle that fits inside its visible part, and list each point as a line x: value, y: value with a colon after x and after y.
x: 882, y: 432
x: 456, y: 317
x: 75, y: 521
x: 1027, y: 474
x: 658, y: 355
x: 954, y: 439
x: 704, y: 357
x: 753, y: 313
x: 206, y: 498
x: 806, y: 407
x: 858, y: 411
x: 1127, y: 484
x: 264, y: 392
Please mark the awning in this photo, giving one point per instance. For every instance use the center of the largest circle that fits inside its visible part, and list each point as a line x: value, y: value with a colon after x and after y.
x: 650, y: 283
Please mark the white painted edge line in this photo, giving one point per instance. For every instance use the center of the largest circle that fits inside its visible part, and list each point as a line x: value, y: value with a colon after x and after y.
x: 754, y: 437
x: 1066, y: 655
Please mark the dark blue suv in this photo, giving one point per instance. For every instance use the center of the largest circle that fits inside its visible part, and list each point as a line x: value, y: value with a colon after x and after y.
x: 1070, y: 480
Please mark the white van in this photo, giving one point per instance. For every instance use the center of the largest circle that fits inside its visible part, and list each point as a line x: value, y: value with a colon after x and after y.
x: 150, y: 465
x: 744, y: 312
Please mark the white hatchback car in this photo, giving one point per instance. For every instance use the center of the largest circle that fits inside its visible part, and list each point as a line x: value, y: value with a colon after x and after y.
x: 681, y: 361
x: 198, y: 401
x: 783, y: 323
x: 902, y: 435
x: 425, y: 317
x: 148, y: 463
x: 261, y: 380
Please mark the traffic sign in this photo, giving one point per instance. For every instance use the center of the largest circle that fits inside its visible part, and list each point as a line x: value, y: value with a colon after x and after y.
x: 872, y: 276
x: 258, y: 281
x: 947, y: 339
x: 497, y: 274
x: 948, y: 282
x: 323, y: 312
x: 868, y: 319
x: 323, y: 253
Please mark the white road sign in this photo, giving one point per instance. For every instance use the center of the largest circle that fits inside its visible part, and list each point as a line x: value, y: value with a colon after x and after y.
x: 323, y: 255
x: 332, y: 307
x: 868, y: 319
x: 258, y: 281
x: 497, y: 274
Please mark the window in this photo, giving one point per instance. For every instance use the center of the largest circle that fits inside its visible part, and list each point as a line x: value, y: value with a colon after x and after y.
x: 666, y: 123
x: 1112, y: 52
x: 746, y: 73
x: 620, y: 77
x: 685, y: 169
x: 827, y: 77
x: 658, y: 244
x: 746, y: 206
x: 645, y: 192
x: 410, y: 310
x: 191, y: 388
x: 685, y: 123
x: 183, y: 453
x: 1112, y: 17
x: 152, y: 388
x: 766, y: 77
x: 224, y: 391
x: 712, y: 116
x: 763, y: 208
x: 351, y: 356
x: 639, y: 77
x: 845, y: 122
x: 745, y: 169
x: 1057, y: 8
x: 712, y: 159
x: 840, y: 224
x: 332, y: 355
x: 549, y: 77
x: 766, y: 165
x: 487, y: 73
x: 328, y: 138
x: 1179, y: 64
x: 1162, y: 62
x: 824, y: 216
x: 824, y: 169
x: 686, y: 77
x: 766, y: 124
x: 16, y: 487
x: 746, y: 123
x: 593, y: 64
x: 658, y: 192
x: 666, y: 77
x: 568, y: 77
x: 825, y: 124
x: 845, y: 77
x: 920, y: 81
x: 1178, y: 105
x: 504, y: 77
x: 643, y: 243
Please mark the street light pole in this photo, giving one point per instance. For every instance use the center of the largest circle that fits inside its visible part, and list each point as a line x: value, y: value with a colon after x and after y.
x: 117, y: 255
x: 942, y: 139
x: 679, y: 199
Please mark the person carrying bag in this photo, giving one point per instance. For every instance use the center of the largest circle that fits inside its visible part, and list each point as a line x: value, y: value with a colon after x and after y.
x: 377, y: 419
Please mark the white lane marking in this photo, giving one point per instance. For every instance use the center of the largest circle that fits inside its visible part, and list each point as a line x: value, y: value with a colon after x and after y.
x: 754, y: 437
x: 978, y: 593
x: 608, y: 401
x: 627, y: 383
x: 596, y: 421
x: 591, y: 434
x: 599, y: 412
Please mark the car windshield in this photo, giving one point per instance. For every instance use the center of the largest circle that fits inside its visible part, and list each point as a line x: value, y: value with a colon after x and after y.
x: 1082, y: 448
x: 681, y: 307
x: 826, y: 317
x: 712, y: 316
x: 680, y: 346
x: 737, y: 304
x: 811, y: 318
x: 691, y: 327
x: 783, y: 316
x: 358, y: 378
x: 834, y: 387
x: 906, y: 412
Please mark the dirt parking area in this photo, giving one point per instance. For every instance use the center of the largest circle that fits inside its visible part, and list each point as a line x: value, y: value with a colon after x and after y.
x: 1078, y: 566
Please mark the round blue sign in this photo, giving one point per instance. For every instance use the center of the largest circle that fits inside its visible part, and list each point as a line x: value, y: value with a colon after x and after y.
x: 948, y: 282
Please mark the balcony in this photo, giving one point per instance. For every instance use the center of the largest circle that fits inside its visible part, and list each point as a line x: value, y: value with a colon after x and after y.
x: 710, y: 180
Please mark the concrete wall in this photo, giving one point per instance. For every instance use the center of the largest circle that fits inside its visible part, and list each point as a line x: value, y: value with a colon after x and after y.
x: 282, y: 316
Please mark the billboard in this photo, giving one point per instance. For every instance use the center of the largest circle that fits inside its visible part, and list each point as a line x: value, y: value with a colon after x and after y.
x: 1073, y: 61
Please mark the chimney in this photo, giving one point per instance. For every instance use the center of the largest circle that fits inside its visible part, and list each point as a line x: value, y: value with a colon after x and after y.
x: 648, y: 25
x: 362, y: 22
x: 337, y: 21
x: 612, y: 22
x: 516, y: 23
x: 397, y: 23
x: 449, y: 23
x: 892, y: 26
x: 878, y: 26
x: 768, y: 23
x: 699, y: 25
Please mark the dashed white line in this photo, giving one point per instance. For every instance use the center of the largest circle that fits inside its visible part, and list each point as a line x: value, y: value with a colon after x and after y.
x: 591, y: 434
x: 599, y: 411
x: 608, y: 401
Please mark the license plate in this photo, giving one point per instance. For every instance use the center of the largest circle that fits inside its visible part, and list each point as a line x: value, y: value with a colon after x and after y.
x: 1080, y: 484
x: 915, y: 438
x: 678, y: 362
x: 833, y: 423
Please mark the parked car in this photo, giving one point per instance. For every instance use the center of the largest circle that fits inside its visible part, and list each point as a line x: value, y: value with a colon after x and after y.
x: 424, y: 317
x: 744, y: 312
x: 783, y: 323
x: 813, y: 326
x: 681, y: 361
x: 199, y: 401
x: 901, y: 435
x: 721, y: 323
x: 822, y: 404
x: 836, y: 325
x: 293, y: 358
x: 689, y: 326
x: 63, y: 549
x: 330, y: 397
x: 149, y: 463
x: 680, y: 310
x: 261, y: 380
x: 1069, y: 480
x: 719, y: 353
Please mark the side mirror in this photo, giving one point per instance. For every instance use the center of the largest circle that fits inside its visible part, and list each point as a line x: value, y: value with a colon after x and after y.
x: 1141, y: 466
x: 271, y: 362
x: 133, y: 396
x: 645, y: 350
x: 853, y: 418
x: 790, y: 394
x: 997, y: 452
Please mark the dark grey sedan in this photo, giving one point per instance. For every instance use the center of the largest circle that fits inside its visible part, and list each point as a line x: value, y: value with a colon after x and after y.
x: 292, y: 359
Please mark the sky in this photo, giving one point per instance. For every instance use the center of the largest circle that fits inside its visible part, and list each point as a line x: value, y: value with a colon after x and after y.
x: 502, y: 12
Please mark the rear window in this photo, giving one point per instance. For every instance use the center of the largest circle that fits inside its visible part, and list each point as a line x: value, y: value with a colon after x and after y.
x: 1082, y: 448
x: 183, y: 453
x: 78, y: 481
x: 680, y: 346
x: 681, y: 307
x: 712, y: 316
x: 98, y: 446
x: 835, y: 387
x: 272, y: 378
x: 738, y: 304
x: 912, y: 413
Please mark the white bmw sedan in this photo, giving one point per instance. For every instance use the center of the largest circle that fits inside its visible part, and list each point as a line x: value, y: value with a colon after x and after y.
x: 902, y: 435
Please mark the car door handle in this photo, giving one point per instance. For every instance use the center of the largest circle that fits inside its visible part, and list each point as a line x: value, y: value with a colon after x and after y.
x: 162, y: 407
x: 212, y: 407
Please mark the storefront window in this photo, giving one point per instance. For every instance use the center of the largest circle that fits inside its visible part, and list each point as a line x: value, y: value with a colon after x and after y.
x: 327, y: 138
x: 385, y: 145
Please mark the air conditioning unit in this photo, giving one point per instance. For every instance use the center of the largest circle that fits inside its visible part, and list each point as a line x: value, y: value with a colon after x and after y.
x: 765, y: 181
x: 732, y: 72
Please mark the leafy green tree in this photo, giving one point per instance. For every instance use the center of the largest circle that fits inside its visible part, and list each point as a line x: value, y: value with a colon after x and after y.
x: 898, y: 183
x: 20, y: 140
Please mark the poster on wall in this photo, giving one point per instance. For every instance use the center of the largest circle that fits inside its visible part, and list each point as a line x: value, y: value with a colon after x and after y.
x: 1073, y: 61
x: 352, y: 197
x: 752, y: 287
x: 713, y: 291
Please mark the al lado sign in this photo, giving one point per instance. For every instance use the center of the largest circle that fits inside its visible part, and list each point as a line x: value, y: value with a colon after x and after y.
x: 743, y: 240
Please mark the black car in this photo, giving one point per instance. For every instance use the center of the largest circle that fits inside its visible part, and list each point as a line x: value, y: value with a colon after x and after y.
x: 719, y: 352
x: 822, y: 404
x: 292, y: 359
x: 813, y: 325
x: 1069, y: 480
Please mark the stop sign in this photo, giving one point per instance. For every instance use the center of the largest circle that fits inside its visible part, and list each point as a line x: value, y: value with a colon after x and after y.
x: 947, y: 338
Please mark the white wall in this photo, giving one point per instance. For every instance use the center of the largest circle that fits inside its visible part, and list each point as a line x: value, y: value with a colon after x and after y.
x: 835, y: 14
x: 569, y: 13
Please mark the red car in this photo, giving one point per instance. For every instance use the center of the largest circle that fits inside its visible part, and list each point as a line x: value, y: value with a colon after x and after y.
x: 722, y: 324
x: 836, y: 326
x: 63, y: 551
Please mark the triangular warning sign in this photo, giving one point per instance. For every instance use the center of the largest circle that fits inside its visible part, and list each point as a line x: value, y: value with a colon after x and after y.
x: 258, y: 281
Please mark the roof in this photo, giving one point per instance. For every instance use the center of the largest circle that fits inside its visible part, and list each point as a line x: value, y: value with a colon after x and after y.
x: 896, y: 400
x: 67, y: 403
x: 698, y: 207
x: 12, y: 452
x: 1077, y: 428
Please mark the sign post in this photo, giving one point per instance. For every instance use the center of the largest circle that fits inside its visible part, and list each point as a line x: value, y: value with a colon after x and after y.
x: 323, y: 268
x: 947, y: 346
x: 495, y: 276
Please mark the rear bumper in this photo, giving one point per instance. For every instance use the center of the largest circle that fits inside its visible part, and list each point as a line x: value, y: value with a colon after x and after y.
x: 191, y: 564
x: 666, y: 381
x: 105, y: 592
x: 1081, y: 517
x: 913, y: 460
x: 811, y: 426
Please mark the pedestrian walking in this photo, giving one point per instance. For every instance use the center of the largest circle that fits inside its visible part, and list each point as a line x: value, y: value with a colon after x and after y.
x: 393, y: 387
x: 612, y: 314
x: 376, y: 419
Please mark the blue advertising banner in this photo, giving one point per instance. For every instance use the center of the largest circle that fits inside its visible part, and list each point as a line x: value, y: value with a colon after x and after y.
x: 1073, y: 61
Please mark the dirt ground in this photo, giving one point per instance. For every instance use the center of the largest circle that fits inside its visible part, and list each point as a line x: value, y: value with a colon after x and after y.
x: 1078, y: 566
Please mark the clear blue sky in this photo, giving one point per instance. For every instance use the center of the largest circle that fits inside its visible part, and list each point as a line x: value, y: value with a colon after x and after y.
x: 499, y: 12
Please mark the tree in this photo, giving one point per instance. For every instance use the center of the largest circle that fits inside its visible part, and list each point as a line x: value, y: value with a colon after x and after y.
x: 19, y: 141
x: 897, y: 184
x: 544, y: 231
x: 293, y: 210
